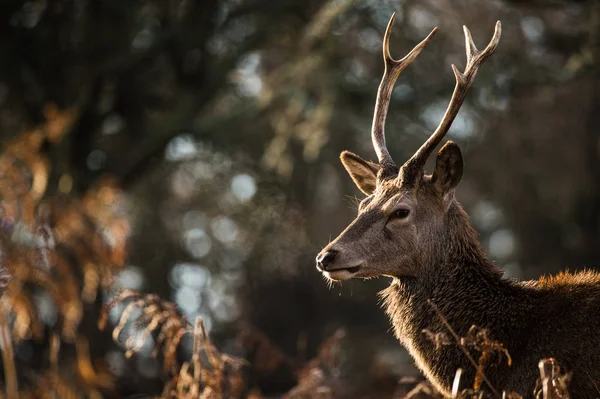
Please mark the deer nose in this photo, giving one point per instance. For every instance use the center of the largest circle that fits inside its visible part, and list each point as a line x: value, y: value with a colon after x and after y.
x: 324, y: 260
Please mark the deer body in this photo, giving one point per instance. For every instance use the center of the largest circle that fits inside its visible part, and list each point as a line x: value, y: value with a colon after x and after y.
x: 411, y: 228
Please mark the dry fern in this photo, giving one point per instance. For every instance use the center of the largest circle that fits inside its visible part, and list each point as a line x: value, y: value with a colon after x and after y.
x: 66, y: 248
x: 553, y: 383
x: 320, y: 378
x: 208, y: 374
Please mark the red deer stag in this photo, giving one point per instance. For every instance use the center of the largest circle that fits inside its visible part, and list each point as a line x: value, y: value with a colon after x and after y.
x: 411, y: 228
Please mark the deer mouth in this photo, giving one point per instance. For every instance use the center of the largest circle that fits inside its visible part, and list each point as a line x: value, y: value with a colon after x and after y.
x: 342, y: 274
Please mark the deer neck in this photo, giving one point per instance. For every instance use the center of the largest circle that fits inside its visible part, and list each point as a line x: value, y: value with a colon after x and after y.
x: 467, y: 289
x: 463, y: 283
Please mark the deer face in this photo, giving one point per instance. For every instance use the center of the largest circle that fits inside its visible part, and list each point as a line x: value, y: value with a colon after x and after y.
x: 400, y: 227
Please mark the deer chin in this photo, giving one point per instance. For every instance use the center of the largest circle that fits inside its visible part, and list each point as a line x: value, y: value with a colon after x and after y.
x: 342, y: 274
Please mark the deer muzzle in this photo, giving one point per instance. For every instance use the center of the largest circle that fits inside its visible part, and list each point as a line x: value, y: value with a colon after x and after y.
x: 326, y: 264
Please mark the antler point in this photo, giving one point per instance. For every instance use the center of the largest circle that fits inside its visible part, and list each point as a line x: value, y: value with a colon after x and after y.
x: 469, y: 44
x: 498, y: 31
x: 457, y: 73
x: 386, y: 37
x: 495, y: 39
x: 429, y: 37
x: 391, y: 21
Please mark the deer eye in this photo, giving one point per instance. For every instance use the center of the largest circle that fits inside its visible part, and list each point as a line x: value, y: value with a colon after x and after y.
x: 401, y: 213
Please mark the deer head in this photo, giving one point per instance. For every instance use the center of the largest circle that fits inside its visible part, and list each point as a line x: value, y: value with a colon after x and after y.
x: 401, y: 224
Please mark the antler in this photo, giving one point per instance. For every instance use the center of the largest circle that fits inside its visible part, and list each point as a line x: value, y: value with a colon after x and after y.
x: 392, y: 71
x: 475, y: 58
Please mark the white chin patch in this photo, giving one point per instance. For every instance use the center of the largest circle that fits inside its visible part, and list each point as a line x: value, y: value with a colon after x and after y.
x: 339, y: 275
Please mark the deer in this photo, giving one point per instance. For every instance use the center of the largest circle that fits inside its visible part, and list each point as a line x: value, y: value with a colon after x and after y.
x: 411, y: 228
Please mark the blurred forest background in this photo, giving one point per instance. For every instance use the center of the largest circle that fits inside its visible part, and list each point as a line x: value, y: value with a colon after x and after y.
x: 189, y: 149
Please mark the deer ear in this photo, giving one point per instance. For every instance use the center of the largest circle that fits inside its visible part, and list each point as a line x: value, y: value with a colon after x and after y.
x: 448, y: 168
x: 363, y: 173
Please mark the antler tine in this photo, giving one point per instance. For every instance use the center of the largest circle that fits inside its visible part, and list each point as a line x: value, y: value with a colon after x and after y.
x: 475, y: 59
x: 393, y: 68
